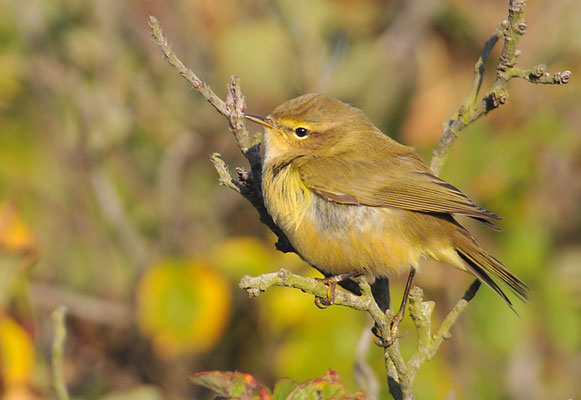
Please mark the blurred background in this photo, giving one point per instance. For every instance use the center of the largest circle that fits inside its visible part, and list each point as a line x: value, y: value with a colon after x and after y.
x: 109, y: 203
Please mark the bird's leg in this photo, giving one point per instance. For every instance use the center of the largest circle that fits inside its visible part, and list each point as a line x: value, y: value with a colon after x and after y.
x: 397, y: 318
x: 331, y: 283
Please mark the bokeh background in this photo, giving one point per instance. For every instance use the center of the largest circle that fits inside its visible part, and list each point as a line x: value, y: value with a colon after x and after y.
x: 109, y: 203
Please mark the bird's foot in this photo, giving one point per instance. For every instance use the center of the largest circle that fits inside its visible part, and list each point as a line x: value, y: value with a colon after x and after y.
x: 397, y: 318
x: 331, y: 283
x: 393, y: 331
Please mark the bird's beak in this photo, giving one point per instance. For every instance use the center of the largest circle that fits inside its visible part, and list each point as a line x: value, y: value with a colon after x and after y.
x: 260, y: 120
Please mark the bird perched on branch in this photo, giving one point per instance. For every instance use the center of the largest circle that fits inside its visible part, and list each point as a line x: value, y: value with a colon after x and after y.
x: 353, y: 201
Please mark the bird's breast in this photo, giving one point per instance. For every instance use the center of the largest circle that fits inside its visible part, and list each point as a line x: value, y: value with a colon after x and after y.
x: 337, y: 238
x: 286, y: 197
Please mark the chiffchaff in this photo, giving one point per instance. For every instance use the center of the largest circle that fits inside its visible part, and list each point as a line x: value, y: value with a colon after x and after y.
x: 349, y: 198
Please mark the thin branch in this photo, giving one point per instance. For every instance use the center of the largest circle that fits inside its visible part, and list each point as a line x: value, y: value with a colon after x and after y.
x: 110, y: 203
x: 421, y: 313
x: 400, y: 386
x: 224, y: 176
x: 363, y: 372
x: 539, y: 74
x: 398, y: 376
x: 234, y: 106
x: 248, y: 184
x: 58, y: 345
x: 444, y: 330
x: 87, y: 308
x: 511, y: 30
x: 456, y: 123
x: 254, y: 285
x: 187, y: 73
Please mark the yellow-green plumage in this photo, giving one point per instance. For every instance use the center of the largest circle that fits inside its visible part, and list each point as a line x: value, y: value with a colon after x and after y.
x: 350, y: 198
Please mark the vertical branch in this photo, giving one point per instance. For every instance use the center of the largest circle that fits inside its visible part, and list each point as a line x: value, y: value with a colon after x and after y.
x: 511, y: 30
x: 399, y: 380
x: 458, y: 121
x: 58, y: 345
x: 364, y: 375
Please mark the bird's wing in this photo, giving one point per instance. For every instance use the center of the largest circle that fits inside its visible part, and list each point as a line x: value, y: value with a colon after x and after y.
x: 400, y: 181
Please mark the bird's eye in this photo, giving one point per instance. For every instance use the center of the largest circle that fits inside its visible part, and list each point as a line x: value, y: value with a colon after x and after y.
x: 301, y: 132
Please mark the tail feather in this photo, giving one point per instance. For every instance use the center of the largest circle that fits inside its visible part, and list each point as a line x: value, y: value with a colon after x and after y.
x: 486, y: 267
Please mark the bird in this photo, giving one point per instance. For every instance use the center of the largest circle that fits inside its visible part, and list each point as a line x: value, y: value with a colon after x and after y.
x: 353, y: 201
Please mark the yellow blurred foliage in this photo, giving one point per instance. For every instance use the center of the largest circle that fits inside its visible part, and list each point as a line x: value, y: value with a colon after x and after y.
x: 15, y: 235
x: 285, y: 309
x: 16, y: 354
x: 183, y: 306
x: 243, y: 256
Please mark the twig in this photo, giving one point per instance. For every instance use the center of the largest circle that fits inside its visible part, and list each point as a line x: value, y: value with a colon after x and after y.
x: 364, y: 375
x: 511, y: 30
x: 108, y: 199
x: 58, y: 344
x: 421, y: 313
x: 170, y: 183
x: 187, y: 73
x: 248, y: 182
x: 256, y: 285
x: 94, y: 309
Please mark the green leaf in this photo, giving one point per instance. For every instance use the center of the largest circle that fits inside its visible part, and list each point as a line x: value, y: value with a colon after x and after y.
x: 233, y: 385
x: 327, y: 387
x: 283, y: 388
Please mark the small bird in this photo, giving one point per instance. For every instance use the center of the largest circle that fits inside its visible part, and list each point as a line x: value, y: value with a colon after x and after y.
x: 353, y: 201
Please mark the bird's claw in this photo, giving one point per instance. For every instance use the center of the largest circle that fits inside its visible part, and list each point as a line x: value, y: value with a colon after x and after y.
x: 393, y: 332
x: 331, y: 283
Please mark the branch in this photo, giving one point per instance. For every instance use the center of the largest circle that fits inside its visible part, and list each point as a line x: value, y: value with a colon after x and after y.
x: 399, y: 377
x: 87, y: 308
x: 58, y: 345
x: 254, y: 285
x: 364, y: 375
x: 248, y: 183
x: 187, y: 73
x: 511, y: 30
x: 421, y: 313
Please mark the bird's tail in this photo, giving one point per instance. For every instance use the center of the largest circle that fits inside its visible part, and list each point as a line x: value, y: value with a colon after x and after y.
x: 486, y: 267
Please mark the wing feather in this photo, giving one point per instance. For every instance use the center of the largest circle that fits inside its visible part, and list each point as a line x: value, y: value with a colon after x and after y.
x: 401, y: 181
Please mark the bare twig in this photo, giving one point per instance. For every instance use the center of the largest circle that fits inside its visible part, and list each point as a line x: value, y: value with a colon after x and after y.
x: 400, y: 374
x: 421, y: 313
x: 364, y: 375
x: 256, y: 285
x: 84, y: 307
x: 187, y: 73
x: 248, y: 183
x: 511, y: 30
x: 58, y: 345
x: 108, y: 199
x: 170, y: 183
